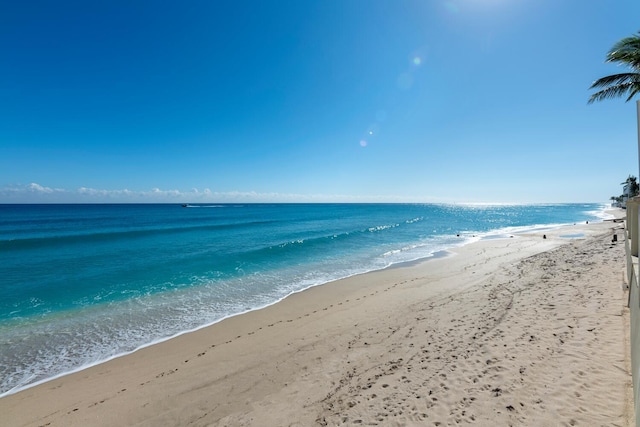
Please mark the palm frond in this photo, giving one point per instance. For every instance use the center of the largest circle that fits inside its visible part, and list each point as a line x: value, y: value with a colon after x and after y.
x: 625, y: 52
x: 613, y: 92
x: 634, y: 90
x: 616, y: 79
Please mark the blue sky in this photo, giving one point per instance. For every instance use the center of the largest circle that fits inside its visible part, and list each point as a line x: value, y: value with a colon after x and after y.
x: 312, y: 101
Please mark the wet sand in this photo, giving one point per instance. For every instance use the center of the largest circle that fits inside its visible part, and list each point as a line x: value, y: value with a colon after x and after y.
x: 515, y: 331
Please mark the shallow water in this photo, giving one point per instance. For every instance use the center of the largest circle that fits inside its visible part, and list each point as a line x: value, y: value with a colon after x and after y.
x: 84, y: 283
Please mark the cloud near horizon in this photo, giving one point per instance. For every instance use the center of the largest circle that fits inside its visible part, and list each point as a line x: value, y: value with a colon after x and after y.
x: 36, y: 193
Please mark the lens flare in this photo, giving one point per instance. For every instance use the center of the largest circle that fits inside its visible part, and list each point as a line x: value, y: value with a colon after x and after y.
x: 373, y: 129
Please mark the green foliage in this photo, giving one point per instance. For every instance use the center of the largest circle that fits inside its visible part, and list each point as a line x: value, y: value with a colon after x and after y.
x: 626, y: 52
x: 632, y: 183
x: 631, y: 189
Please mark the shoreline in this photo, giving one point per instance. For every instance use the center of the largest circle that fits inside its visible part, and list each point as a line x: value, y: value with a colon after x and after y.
x: 467, y: 240
x: 439, y: 254
x: 311, y: 321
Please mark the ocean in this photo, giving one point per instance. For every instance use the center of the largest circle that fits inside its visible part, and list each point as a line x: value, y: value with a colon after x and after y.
x: 81, y: 284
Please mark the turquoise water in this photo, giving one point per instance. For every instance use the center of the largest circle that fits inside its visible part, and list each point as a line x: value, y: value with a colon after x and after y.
x: 84, y: 283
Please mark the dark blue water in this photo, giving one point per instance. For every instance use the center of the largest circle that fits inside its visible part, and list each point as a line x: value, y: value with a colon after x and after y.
x: 83, y: 283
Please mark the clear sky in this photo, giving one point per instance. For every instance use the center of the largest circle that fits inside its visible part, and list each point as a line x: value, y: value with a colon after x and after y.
x: 312, y: 101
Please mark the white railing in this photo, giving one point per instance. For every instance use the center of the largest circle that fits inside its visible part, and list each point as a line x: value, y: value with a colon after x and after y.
x: 632, y: 237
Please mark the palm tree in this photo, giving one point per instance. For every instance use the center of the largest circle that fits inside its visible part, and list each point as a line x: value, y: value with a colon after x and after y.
x: 631, y: 186
x: 625, y: 52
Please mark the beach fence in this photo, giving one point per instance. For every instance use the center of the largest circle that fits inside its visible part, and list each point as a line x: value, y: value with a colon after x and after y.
x: 632, y: 237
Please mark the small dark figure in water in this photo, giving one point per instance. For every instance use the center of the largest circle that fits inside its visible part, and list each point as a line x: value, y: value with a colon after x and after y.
x: 544, y: 236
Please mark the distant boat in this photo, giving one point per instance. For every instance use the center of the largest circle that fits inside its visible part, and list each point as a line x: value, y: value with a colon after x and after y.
x: 185, y: 206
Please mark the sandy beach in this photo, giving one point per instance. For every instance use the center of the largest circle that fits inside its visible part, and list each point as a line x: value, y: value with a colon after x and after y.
x: 521, y: 330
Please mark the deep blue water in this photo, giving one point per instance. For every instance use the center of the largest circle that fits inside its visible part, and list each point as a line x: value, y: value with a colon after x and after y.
x: 80, y: 284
